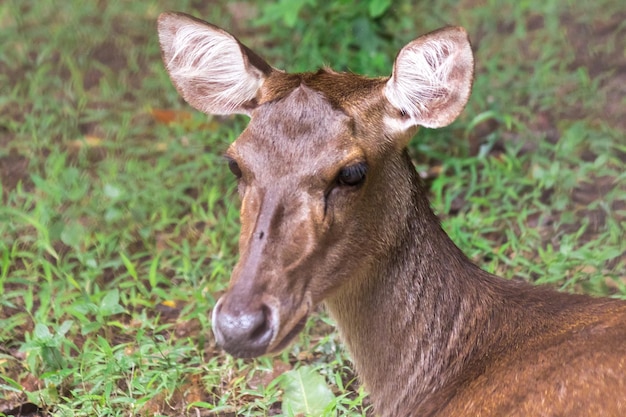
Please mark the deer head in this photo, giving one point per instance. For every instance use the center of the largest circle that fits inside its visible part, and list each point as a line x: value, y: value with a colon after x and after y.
x: 321, y: 168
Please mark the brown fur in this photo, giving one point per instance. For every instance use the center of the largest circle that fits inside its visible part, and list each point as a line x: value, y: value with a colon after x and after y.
x: 430, y: 333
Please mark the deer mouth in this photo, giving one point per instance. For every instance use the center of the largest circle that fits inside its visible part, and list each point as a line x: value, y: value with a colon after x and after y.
x: 288, y: 338
x: 286, y: 322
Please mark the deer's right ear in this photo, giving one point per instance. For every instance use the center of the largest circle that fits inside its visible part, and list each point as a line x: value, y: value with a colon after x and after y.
x: 432, y: 79
x: 210, y: 68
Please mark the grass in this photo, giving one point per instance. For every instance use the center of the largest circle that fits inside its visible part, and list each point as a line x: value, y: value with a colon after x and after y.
x: 119, y: 218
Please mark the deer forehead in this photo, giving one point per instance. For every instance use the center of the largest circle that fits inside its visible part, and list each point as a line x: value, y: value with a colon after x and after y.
x: 302, y: 134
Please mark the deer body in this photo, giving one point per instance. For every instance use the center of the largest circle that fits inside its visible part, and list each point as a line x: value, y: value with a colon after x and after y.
x: 333, y: 211
x: 465, y: 343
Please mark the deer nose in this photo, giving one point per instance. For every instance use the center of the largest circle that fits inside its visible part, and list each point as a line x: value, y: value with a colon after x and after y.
x: 242, y: 331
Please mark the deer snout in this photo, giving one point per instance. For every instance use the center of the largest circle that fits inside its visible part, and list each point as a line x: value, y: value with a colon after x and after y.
x: 244, y: 331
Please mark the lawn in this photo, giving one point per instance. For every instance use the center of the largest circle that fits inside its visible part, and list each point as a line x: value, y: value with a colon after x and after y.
x: 119, y: 216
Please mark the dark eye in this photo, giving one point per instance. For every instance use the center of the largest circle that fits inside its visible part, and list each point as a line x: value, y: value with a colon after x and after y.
x: 234, y: 168
x: 352, y: 175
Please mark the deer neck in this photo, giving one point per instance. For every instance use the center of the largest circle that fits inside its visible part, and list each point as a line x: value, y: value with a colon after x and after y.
x: 410, y: 320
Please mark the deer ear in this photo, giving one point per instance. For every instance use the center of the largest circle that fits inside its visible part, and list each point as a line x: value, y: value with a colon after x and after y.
x: 431, y: 80
x: 210, y: 68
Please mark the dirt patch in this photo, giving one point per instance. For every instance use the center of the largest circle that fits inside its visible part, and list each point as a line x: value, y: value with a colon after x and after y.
x: 25, y: 410
x: 599, y: 47
x: 14, y: 171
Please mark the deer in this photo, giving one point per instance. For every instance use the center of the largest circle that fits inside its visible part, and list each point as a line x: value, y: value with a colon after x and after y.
x: 333, y: 212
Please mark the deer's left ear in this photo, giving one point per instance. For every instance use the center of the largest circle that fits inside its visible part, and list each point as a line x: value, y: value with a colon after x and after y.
x: 432, y: 79
x: 210, y: 68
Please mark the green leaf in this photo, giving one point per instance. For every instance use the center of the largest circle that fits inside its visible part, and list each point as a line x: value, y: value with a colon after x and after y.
x: 129, y: 266
x: 378, y: 7
x: 111, y: 191
x: 90, y: 327
x: 52, y: 358
x: 287, y: 10
x: 110, y: 304
x: 73, y: 234
x: 42, y: 332
x: 65, y: 326
x: 13, y: 384
x: 305, y: 392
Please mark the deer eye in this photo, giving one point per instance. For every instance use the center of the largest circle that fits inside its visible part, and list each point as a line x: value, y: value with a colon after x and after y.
x: 234, y: 168
x: 352, y: 175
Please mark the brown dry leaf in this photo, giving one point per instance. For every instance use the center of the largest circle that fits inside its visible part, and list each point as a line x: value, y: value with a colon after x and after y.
x: 305, y: 356
x: 588, y: 269
x: 167, y: 402
x: 30, y: 383
x: 88, y: 141
x: 169, y: 303
x: 184, y: 119
x: 161, y: 147
x: 167, y: 117
x: 615, y: 284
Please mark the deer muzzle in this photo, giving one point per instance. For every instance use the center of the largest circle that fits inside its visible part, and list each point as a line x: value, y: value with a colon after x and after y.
x: 248, y: 330
x: 244, y: 331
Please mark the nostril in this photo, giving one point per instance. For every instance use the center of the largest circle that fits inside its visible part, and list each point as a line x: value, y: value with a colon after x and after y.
x: 264, y: 324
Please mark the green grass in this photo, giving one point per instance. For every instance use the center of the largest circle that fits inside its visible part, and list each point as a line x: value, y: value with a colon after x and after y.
x: 119, y: 230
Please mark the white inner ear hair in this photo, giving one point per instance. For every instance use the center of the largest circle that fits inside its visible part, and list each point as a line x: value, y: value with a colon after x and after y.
x: 420, y: 78
x: 212, y: 62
